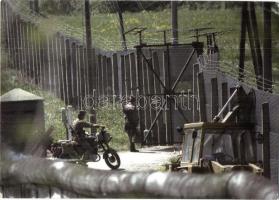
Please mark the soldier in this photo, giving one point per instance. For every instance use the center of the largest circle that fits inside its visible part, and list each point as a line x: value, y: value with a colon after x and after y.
x: 80, y: 136
x: 131, y: 121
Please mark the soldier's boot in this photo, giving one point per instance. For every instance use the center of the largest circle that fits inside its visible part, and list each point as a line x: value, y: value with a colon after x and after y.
x: 133, y: 148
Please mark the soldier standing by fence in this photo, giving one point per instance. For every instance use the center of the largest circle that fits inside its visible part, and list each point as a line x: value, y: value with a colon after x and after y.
x: 131, y: 121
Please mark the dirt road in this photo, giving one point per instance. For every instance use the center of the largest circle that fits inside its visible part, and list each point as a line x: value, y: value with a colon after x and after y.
x: 147, y: 159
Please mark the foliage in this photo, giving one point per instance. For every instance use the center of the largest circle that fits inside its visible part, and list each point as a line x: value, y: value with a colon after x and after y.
x: 112, y: 117
x: 59, y: 7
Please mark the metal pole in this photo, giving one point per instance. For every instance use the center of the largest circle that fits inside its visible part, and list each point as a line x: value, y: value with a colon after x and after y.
x: 121, y: 27
x: 90, y: 53
x: 266, y: 139
x: 254, y: 24
x: 88, y: 24
x: 217, y: 117
x: 267, y: 47
x: 242, y: 41
x: 174, y: 22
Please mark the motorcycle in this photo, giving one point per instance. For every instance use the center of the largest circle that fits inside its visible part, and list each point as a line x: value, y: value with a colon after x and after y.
x: 71, y: 150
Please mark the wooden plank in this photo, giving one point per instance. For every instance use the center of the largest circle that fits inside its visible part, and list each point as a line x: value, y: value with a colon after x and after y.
x: 78, y: 77
x: 28, y: 63
x: 133, y: 74
x: 91, y: 69
x: 36, y: 57
x: 19, y: 32
x: 266, y: 139
x: 128, y: 75
x: 32, y: 46
x: 146, y: 106
x: 105, y: 77
x: 11, y: 35
x: 57, y: 65
x: 195, y: 116
x: 17, y: 38
x: 15, y: 52
x: 99, y: 79
x: 39, y: 39
x: 64, y: 68
x: 68, y: 73
x: 151, y: 84
x: 44, y: 72
x: 202, y: 98
x: 60, y: 46
x: 86, y: 80
x: 7, y: 33
x: 74, y: 74
x: 54, y: 66
x: 214, y: 97
x: 139, y: 137
x: 46, y: 64
x: 123, y: 75
x: 225, y: 97
x: 157, y: 89
x: 49, y: 64
x: 109, y: 77
x: 168, y: 110
x: 115, y: 74
x: 13, y: 41
x: 94, y: 72
x: 232, y: 102
x: 23, y: 50
x: 81, y: 75
x: 19, y: 45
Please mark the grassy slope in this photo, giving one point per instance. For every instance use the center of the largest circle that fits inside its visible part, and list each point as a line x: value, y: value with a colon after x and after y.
x: 112, y: 118
x: 106, y: 32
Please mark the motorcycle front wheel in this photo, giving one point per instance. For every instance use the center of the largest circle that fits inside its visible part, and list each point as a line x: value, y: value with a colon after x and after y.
x: 112, y: 159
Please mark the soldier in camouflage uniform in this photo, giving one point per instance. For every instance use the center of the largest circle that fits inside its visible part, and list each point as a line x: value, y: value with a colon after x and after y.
x: 131, y: 121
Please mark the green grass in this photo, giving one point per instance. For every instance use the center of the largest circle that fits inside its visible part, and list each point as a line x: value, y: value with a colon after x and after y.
x: 105, y: 30
x: 113, y: 119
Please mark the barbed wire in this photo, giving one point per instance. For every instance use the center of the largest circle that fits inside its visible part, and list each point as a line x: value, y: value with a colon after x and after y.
x: 233, y: 71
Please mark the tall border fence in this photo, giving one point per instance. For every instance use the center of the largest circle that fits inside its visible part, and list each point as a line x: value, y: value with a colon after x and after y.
x: 60, y: 64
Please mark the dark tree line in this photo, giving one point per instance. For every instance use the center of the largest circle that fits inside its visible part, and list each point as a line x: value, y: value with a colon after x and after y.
x: 66, y: 7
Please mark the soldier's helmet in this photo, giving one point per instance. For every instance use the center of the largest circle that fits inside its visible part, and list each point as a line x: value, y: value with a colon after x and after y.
x: 81, y: 114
